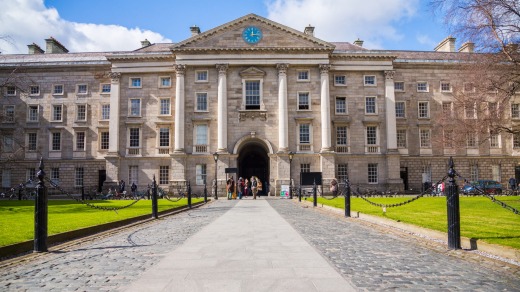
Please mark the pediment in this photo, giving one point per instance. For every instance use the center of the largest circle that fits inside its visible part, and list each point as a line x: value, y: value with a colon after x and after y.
x: 252, y: 72
x: 275, y: 37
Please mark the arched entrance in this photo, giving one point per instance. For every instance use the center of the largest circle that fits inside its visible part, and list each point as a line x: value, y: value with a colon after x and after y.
x: 254, y: 161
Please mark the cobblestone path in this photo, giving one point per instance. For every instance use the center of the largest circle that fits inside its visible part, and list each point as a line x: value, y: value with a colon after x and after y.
x: 109, y: 263
x: 378, y: 260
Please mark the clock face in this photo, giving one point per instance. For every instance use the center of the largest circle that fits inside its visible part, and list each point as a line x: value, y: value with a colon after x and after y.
x: 252, y: 34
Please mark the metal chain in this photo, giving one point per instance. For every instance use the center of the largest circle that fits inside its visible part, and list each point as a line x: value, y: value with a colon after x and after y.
x: 166, y: 195
x: 321, y: 195
x: 87, y: 203
x: 493, y: 199
x: 12, y: 191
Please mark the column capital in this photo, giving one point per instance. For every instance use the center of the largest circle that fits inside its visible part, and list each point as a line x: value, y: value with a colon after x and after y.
x: 222, y: 68
x: 180, y: 70
x: 390, y: 74
x: 282, y: 68
x: 114, y: 76
x: 324, y: 68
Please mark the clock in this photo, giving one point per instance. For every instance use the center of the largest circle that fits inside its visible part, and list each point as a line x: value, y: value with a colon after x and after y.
x: 252, y: 35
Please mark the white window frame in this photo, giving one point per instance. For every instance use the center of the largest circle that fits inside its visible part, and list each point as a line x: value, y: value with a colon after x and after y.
x: 450, y: 89
x: 515, y: 110
x: 131, y: 82
x: 375, y: 105
x: 31, y: 93
x: 31, y: 174
x: 305, y: 167
x: 130, y: 108
x: 402, y: 143
x: 9, y: 113
x: 10, y: 90
x: 298, y: 76
x: 467, y: 115
x: 159, y: 137
x: 78, y: 86
x: 201, y: 173
x: 372, y: 147
x: 55, y: 87
x: 79, y: 176
x: 471, y: 140
x: 399, y: 89
x: 167, y: 102
x: 164, y: 78
x: 203, y: 72
x: 304, y: 146
x: 197, y: 103
x: 429, y: 137
x: 420, y: 84
x: 29, y: 142
x: 78, y: 106
x: 76, y: 141
x: 134, y: 150
x: 309, y: 102
x: 54, y: 107
x: 423, y: 112
x: 372, y: 176
x: 102, y: 87
x: 261, y: 84
x: 102, y: 108
x: 198, y: 146
x: 404, y: 110
x: 164, y: 174
x: 54, y: 176
x: 104, y: 144
x: 344, y: 83
x: 51, y: 141
x: 495, y: 141
x: 342, y: 147
x: 368, y: 82
x: 29, y: 107
x: 336, y: 105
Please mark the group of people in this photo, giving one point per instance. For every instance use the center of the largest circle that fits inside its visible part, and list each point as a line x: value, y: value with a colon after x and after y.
x: 243, y: 187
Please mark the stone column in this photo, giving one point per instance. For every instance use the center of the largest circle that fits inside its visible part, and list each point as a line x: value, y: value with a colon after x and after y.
x: 283, y: 120
x: 222, y: 107
x: 179, y: 109
x: 325, y: 109
x: 391, y: 128
x: 112, y: 158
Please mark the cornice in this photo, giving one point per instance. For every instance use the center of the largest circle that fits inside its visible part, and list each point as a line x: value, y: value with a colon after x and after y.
x: 142, y: 57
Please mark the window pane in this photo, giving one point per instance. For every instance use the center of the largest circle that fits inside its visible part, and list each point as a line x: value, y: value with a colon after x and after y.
x: 305, y: 134
x: 164, y: 174
x: 200, y: 170
x: 81, y: 112
x: 370, y: 105
x: 202, y: 101
x: 303, y: 101
x: 423, y: 110
x: 135, y: 108
x: 165, y: 106
x: 341, y: 135
x: 252, y: 94
x: 201, y: 135
x: 372, y: 173
x: 56, y: 141
x: 32, y: 141
x: 134, y: 137
x: 399, y: 109
x: 401, y: 138
x: 105, y: 112
x: 164, y: 137
x: 341, y: 105
x: 371, y: 135
x: 80, y: 141
x: 105, y: 140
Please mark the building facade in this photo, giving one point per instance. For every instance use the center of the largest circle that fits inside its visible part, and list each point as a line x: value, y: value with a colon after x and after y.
x: 251, y: 90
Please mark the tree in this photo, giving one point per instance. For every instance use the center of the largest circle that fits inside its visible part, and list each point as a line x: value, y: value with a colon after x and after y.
x: 486, y: 98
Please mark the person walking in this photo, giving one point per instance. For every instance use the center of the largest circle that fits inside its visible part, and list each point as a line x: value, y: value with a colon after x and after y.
x: 254, y: 187
x: 230, y: 188
x: 247, y: 187
x: 512, y: 183
x: 240, y: 188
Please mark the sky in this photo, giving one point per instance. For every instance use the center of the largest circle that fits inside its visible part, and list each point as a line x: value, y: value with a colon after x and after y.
x: 120, y: 25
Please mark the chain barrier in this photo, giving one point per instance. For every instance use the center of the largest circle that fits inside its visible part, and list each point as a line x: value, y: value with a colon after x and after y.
x: 166, y: 195
x: 334, y: 196
x: 115, y: 209
x: 493, y: 199
x: 12, y: 191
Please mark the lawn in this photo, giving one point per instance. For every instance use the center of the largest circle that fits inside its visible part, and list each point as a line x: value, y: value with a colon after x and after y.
x: 17, y: 217
x: 480, y: 218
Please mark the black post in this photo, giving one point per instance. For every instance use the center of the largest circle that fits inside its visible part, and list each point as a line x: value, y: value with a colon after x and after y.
x: 40, y: 213
x: 291, y: 156
x: 347, y: 197
x: 155, y: 214
x: 215, y: 157
x: 205, y: 193
x: 315, y: 194
x: 300, y: 194
x: 452, y: 200
x: 82, y: 193
x: 20, y: 192
x: 189, y: 195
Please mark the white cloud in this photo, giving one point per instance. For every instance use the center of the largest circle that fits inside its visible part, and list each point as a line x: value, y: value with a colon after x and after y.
x: 23, y: 22
x: 373, y: 21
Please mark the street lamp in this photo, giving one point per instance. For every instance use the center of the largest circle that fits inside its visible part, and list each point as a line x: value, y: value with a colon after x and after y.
x: 291, y: 156
x: 215, y: 157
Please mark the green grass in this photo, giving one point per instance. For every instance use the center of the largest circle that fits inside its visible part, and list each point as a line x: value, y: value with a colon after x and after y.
x: 480, y: 218
x: 17, y: 217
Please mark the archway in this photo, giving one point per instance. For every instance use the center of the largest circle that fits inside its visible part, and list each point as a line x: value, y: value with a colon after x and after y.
x: 254, y: 161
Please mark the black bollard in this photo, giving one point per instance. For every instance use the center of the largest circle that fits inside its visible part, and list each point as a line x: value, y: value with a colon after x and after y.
x: 82, y: 193
x: 20, y: 192
x: 155, y: 214
x: 189, y: 195
x: 205, y: 194
x: 347, y: 197
x: 315, y: 194
x: 452, y: 201
x: 300, y: 194
x: 40, y: 213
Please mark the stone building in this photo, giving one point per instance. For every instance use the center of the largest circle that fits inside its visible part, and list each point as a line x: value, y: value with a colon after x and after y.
x: 251, y: 90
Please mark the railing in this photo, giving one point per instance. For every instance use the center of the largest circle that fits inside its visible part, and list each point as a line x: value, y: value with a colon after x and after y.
x: 342, y: 149
x: 200, y: 148
x: 371, y: 149
x: 133, y: 151
x: 163, y: 151
x: 304, y: 147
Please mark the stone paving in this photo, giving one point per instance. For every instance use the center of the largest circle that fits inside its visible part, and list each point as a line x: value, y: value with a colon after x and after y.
x: 369, y: 258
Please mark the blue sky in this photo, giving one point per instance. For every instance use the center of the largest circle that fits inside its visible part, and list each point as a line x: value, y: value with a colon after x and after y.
x: 111, y: 25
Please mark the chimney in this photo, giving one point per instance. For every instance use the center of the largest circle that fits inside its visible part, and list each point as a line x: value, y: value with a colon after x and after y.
x: 55, y: 47
x: 358, y: 42
x: 145, y: 43
x: 34, y: 49
x: 467, y: 47
x: 309, y: 30
x: 195, y: 30
x: 447, y: 45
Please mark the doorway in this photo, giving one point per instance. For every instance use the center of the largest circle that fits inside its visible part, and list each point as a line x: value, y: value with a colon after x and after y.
x: 404, y: 177
x: 253, y: 161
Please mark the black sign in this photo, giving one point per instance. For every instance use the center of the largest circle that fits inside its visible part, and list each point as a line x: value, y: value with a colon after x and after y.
x: 231, y: 170
x: 308, y: 178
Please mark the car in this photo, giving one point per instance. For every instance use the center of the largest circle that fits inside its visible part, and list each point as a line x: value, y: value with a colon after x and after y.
x: 489, y: 186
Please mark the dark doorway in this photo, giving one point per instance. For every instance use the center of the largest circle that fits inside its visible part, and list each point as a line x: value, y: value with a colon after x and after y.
x: 517, y: 173
x: 404, y: 177
x: 102, y: 176
x: 253, y: 161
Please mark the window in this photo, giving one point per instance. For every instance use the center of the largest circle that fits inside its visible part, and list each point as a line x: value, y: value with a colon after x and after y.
x: 422, y: 86
x: 445, y: 86
x: 516, y: 140
x: 201, y: 138
x: 340, y: 80
x: 11, y: 90
x: 200, y: 172
x: 424, y: 137
x: 134, y: 137
x: 9, y: 114
x: 424, y: 109
x: 400, y: 111
x: 165, y: 81
x: 401, y: 138
x: 371, y: 135
x: 164, y: 174
x: 55, y: 175
x: 202, y: 102
x: 252, y: 95
x: 164, y: 137
x: 32, y: 113
x: 303, y: 75
x: 447, y: 109
x: 494, y: 140
x: 135, y: 82
x: 341, y: 105
x: 31, y: 174
x: 370, y: 80
x: 341, y: 135
x: 6, y: 178
x: 448, y: 138
x: 57, y: 113
x: 493, y: 110
x: 303, y: 101
x: 473, y: 172
x: 399, y: 86
x: 105, y: 88
x: 32, y: 141
x: 342, y: 173
x: 105, y: 112
x: 372, y: 173
x: 165, y: 106
x: 370, y: 105
x: 201, y: 76
x: 471, y: 140
x: 515, y: 110
x: 34, y: 90
x: 82, y: 89
x: 8, y: 143
x: 57, y: 89
x: 468, y: 87
x: 80, y: 141
x: 104, y: 141
x: 496, y: 173
x: 470, y: 111
x: 81, y: 112
x: 305, y: 167
x: 79, y: 173
x: 56, y: 141
x: 305, y: 134
x: 133, y: 172
x: 135, y: 107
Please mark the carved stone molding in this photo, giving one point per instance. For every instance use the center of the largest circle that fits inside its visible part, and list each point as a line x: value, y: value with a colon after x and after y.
x: 261, y: 115
x: 389, y: 74
x: 324, y: 68
x: 114, y: 76
x: 222, y: 69
x: 282, y: 68
x: 180, y: 69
